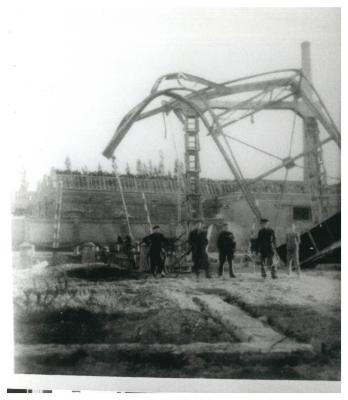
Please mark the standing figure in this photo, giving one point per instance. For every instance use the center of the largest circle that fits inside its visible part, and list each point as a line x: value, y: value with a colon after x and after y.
x: 119, y: 244
x: 170, y: 255
x: 266, y: 243
x: 252, y: 249
x: 156, y: 242
x: 198, y: 242
x: 293, y: 242
x: 129, y: 250
x: 103, y: 254
x: 144, y: 262
x: 226, y: 246
x: 253, y: 241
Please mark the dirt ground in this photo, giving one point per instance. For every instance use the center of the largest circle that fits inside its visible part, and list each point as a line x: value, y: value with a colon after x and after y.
x: 96, y: 320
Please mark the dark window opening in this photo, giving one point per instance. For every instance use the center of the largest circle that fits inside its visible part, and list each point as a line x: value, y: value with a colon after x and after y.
x: 302, y: 214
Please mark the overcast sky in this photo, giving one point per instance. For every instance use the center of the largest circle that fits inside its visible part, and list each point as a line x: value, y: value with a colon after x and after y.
x: 77, y: 71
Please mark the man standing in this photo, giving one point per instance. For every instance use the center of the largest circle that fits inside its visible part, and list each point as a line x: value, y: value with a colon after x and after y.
x: 292, y: 250
x: 253, y: 241
x: 129, y: 251
x: 226, y: 246
x: 119, y: 244
x: 156, y: 242
x: 266, y: 243
x: 198, y: 242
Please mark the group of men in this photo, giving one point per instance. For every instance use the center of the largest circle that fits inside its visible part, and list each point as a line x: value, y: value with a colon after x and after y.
x: 263, y: 246
x: 198, y: 242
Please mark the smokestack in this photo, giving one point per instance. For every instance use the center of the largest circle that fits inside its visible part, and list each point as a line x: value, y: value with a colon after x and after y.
x: 306, y: 60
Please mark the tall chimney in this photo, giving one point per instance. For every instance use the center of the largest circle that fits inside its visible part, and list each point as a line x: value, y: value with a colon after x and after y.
x: 306, y: 60
x: 312, y: 169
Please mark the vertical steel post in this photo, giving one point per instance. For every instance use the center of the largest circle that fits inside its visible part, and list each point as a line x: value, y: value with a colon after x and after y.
x: 314, y: 173
x: 192, y: 164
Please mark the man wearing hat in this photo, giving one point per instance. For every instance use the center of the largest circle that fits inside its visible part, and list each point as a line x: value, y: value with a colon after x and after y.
x: 156, y: 242
x: 226, y: 246
x: 266, y: 243
x: 198, y: 242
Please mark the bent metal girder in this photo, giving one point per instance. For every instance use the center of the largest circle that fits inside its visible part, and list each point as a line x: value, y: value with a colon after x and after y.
x: 218, y: 106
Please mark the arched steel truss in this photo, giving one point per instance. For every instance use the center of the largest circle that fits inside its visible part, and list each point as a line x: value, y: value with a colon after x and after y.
x: 218, y: 106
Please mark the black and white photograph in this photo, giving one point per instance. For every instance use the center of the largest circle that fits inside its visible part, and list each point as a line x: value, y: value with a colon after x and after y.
x: 176, y: 194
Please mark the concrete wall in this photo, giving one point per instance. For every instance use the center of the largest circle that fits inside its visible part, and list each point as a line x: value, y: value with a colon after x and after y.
x: 39, y: 231
x: 92, y: 211
x: 236, y: 210
x: 18, y: 230
x: 108, y: 205
x: 77, y: 228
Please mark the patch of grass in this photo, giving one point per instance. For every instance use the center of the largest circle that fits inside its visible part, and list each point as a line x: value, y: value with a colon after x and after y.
x: 64, y: 326
x: 63, y: 360
x: 78, y: 325
x: 103, y: 273
x: 166, y: 361
x: 302, y: 323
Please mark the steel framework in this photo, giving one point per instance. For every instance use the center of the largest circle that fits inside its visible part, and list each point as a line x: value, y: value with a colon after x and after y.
x: 219, y: 105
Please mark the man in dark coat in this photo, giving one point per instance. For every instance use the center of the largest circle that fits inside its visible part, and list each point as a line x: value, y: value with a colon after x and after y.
x: 156, y: 242
x: 119, y: 244
x: 266, y: 244
x: 226, y: 246
x: 198, y: 243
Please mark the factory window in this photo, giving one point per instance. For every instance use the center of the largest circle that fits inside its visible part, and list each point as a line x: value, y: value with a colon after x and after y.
x: 302, y: 213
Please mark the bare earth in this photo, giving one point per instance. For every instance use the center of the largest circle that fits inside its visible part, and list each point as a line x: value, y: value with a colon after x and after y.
x: 95, y: 320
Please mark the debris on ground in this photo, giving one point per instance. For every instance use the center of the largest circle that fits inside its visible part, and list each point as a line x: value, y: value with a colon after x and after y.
x: 97, y: 321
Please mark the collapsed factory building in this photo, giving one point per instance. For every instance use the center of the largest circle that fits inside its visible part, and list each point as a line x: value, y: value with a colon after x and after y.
x: 70, y: 208
x: 92, y: 207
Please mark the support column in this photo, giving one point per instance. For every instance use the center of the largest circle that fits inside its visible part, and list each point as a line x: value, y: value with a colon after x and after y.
x: 192, y: 164
x: 314, y: 174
